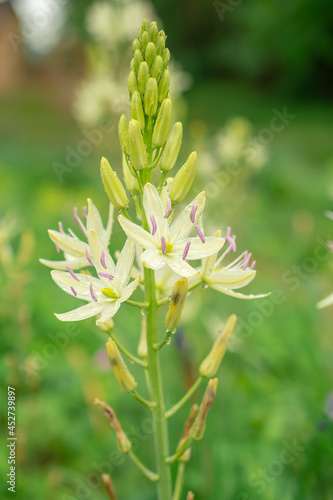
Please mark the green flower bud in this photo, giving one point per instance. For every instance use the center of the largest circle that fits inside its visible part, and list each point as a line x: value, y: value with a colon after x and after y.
x: 132, y: 67
x: 123, y: 132
x: 138, y: 59
x: 137, y: 109
x: 163, y: 123
x: 132, y: 83
x: 198, y: 428
x: 157, y: 68
x: 164, y: 85
x: 166, y: 57
x: 136, y: 45
x: 151, y: 97
x: 131, y: 182
x: 145, y: 39
x: 113, y: 186
x: 185, y: 436
x: 176, y: 305
x: 172, y: 147
x: 211, y: 363
x: 143, y: 75
x: 153, y: 31
x: 125, y: 380
x: 137, y: 150
x: 184, y: 179
x: 145, y: 25
x: 123, y: 443
x: 150, y: 53
x: 160, y: 44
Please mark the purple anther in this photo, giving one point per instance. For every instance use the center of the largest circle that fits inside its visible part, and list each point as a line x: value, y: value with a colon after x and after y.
x: 88, y: 257
x: 201, y: 236
x: 163, y: 245
x: 103, y: 259
x: 57, y: 248
x: 227, y: 236
x: 247, y: 257
x: 61, y: 229
x: 93, y: 296
x: 84, y: 213
x: 253, y: 264
x: 168, y: 212
x: 106, y: 275
x: 232, y: 241
x: 71, y: 272
x: 186, y: 249
x: 79, y: 222
x: 73, y: 291
x: 154, y: 223
x: 193, y: 212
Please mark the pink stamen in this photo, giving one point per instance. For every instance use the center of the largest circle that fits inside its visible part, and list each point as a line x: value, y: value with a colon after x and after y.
x: 84, y: 213
x: 103, y: 259
x: 57, y: 248
x: 163, y: 245
x: 79, y: 222
x: 88, y: 257
x: 247, y: 258
x: 71, y: 272
x: 227, y: 236
x: 232, y: 241
x: 93, y: 296
x: 186, y: 249
x: 154, y: 223
x: 61, y: 229
x: 253, y: 264
x: 73, y: 291
x: 168, y: 212
x: 201, y: 236
x: 193, y: 212
x: 106, y: 275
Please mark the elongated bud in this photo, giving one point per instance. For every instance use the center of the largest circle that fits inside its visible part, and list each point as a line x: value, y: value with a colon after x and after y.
x: 166, y: 57
x: 176, y: 305
x: 138, y: 59
x: 157, y: 68
x: 198, y: 428
x: 186, y: 433
x: 136, y: 45
x: 145, y: 39
x: 137, y: 150
x: 160, y: 44
x: 137, y: 110
x: 132, y: 83
x: 131, y: 182
x: 150, y: 53
x: 153, y: 31
x: 123, y: 443
x: 164, y: 85
x: 163, y: 123
x: 125, y: 380
x: 151, y: 97
x: 142, y: 347
x: 184, y: 179
x: 113, y: 186
x: 211, y: 363
x: 143, y: 75
x: 123, y: 132
x: 145, y: 25
x: 172, y: 147
x: 108, y: 484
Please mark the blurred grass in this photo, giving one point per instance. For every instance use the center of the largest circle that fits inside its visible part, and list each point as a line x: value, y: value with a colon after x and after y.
x: 273, y: 387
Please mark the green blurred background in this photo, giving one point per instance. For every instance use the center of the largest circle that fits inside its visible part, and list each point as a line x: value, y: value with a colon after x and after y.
x: 249, y: 60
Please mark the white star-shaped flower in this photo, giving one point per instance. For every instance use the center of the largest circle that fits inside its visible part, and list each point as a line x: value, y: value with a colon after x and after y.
x: 76, y: 251
x: 227, y: 278
x: 169, y: 244
x: 105, y: 293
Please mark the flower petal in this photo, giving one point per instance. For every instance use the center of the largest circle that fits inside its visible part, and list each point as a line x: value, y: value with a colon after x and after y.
x: 180, y: 266
x: 220, y: 288
x: 182, y: 225
x: 154, y: 207
x: 82, y: 287
x: 153, y: 258
x: 197, y: 249
x: 136, y: 233
x: 325, y: 302
x: 108, y: 312
x: 76, y: 263
x: 128, y: 290
x: 125, y: 263
x: 83, y: 312
x: 97, y: 248
x: 230, y: 278
x: 67, y: 243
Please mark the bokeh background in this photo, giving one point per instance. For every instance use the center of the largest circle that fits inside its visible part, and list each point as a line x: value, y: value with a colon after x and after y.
x: 237, y: 66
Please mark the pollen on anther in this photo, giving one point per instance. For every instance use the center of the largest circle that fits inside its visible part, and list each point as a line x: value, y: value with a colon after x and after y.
x: 71, y: 272
x: 163, y: 245
x: 106, y: 275
x: 88, y: 257
x: 247, y: 258
x: 253, y: 264
x: 154, y: 223
x: 93, y: 296
x: 61, y: 229
x: 168, y: 212
x: 78, y: 221
x: 84, y: 213
x: 232, y: 241
x: 186, y: 249
x: 200, y: 234
x: 73, y: 291
x: 103, y: 259
x: 227, y: 236
x: 193, y: 212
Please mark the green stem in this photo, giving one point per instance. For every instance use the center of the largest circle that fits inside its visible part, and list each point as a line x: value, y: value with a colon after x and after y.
x: 127, y: 353
x: 179, y: 481
x: 147, y: 472
x: 184, y: 399
x: 165, y: 340
x: 143, y: 401
x: 181, y: 450
x: 141, y: 305
x: 160, y: 424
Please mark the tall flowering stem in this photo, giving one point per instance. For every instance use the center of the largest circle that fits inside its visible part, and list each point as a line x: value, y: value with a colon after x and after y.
x: 162, y: 241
